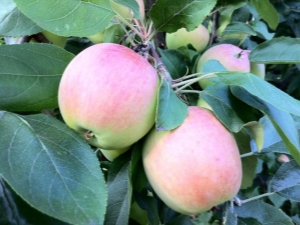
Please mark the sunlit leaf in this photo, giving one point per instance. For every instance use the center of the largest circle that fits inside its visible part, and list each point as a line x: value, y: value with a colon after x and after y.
x: 171, y: 15
x: 68, y: 17
x: 277, y: 50
x: 14, y: 23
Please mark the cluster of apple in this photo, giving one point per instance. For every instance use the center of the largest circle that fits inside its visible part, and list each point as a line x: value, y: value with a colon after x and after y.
x: 108, y: 94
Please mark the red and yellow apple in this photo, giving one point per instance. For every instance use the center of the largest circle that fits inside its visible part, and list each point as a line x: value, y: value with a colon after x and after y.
x: 108, y: 95
x: 198, y: 38
x: 230, y: 56
x: 195, y: 166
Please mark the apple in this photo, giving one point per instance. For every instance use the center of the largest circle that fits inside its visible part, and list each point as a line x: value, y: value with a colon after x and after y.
x: 230, y: 56
x: 258, y: 69
x: 198, y: 38
x: 55, y: 39
x: 124, y: 12
x: 108, y: 95
x: 195, y: 166
x: 111, y: 155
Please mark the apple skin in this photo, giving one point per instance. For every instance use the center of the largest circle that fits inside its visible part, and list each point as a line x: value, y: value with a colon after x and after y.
x: 195, y: 166
x: 199, y: 38
x: 258, y: 69
x: 108, y: 95
x: 111, y: 155
x: 230, y: 56
x: 55, y: 39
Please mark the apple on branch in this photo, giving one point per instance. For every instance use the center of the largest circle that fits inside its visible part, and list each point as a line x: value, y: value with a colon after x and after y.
x: 108, y: 94
x: 230, y: 56
x: 195, y: 166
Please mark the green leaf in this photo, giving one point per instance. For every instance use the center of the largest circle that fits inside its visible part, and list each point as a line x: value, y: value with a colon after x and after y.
x: 230, y: 217
x: 249, y: 163
x: 273, y: 102
x: 286, y: 181
x: 262, y: 29
x: 180, y: 220
x: 52, y: 168
x: 256, y: 131
x: 14, y: 23
x: 267, y: 12
x: 171, y: 111
x: 14, y: 210
x: 150, y: 204
x: 226, y: 107
x: 272, y: 140
x: 248, y: 221
x: 119, y: 191
x: 133, y: 5
x: 68, y: 17
x: 276, y: 51
x: 137, y: 173
x: 238, y: 28
x: 264, y: 213
x: 261, y: 89
x: 175, y: 62
x: 30, y: 75
x: 212, y: 66
x: 171, y: 15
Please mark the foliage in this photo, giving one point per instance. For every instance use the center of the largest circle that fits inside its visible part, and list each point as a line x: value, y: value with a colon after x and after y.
x: 50, y: 175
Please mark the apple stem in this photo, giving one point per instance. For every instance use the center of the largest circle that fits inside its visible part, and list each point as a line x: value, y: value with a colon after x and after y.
x: 136, y: 31
x: 247, y: 154
x: 256, y: 197
x: 187, y: 83
x: 186, y: 77
x: 160, y: 66
x: 190, y: 91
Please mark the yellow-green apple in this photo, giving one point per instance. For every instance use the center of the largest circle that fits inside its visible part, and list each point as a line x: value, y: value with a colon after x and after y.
x: 124, y: 12
x: 198, y: 38
x: 111, y: 155
x: 195, y: 166
x: 108, y: 95
x: 258, y: 69
x: 230, y: 56
x: 55, y: 39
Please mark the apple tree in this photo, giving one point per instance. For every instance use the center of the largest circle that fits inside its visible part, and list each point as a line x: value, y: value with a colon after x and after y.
x: 90, y: 89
